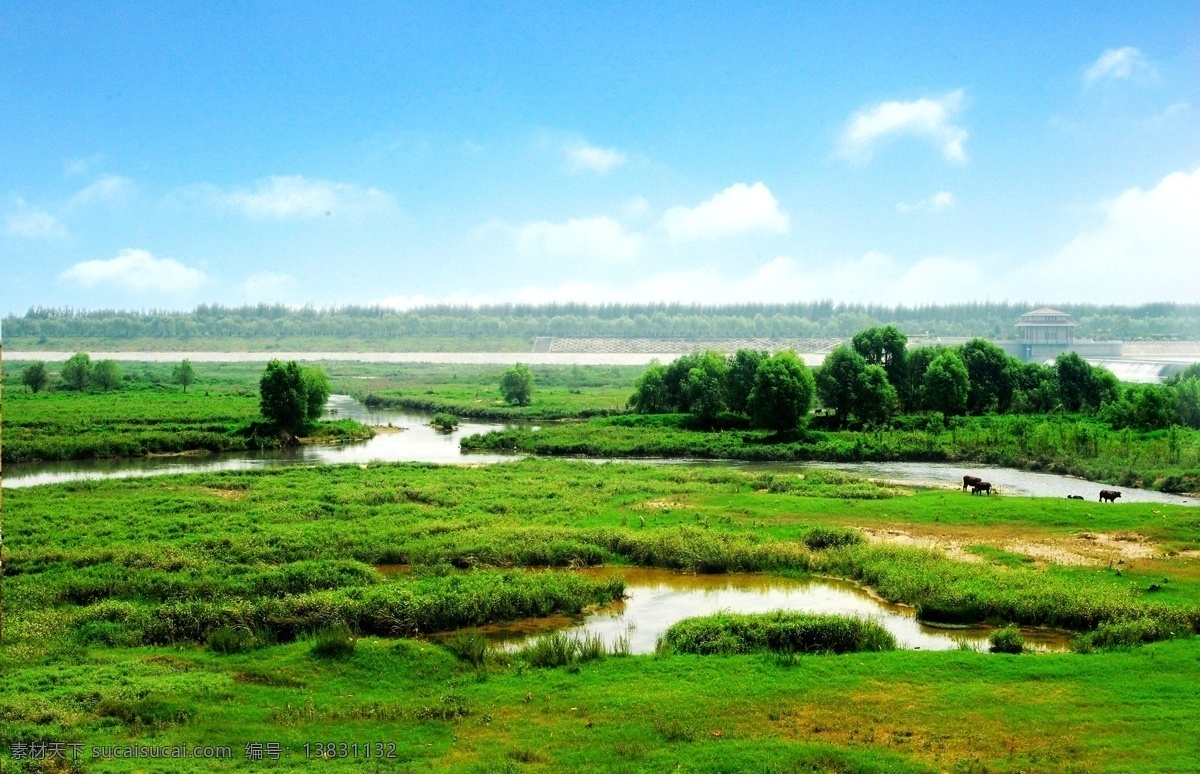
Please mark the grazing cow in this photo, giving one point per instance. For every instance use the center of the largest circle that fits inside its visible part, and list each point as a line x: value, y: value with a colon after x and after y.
x: 1074, y: 497
x: 970, y: 481
x: 982, y: 486
x: 1109, y: 495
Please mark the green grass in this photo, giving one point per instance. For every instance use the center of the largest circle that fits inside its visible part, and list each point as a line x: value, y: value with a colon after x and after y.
x: 780, y: 632
x: 186, y: 609
x: 149, y: 415
x: 1168, y: 460
x: 560, y: 392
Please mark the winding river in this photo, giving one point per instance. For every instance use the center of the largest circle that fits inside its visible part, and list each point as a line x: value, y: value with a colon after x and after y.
x: 405, y: 436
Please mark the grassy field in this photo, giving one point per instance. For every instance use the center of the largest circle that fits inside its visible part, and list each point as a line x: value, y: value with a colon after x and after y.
x: 148, y: 415
x: 1168, y: 460
x: 206, y: 610
x: 560, y: 392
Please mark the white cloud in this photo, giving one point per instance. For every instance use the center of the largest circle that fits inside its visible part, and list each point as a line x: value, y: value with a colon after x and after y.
x: 1146, y: 249
x: 110, y: 189
x: 930, y: 118
x: 585, y: 157
x: 1118, y: 64
x: 942, y: 200
x: 136, y: 270
x: 268, y: 286
x: 600, y: 239
x: 294, y: 196
x: 874, y: 277
x: 738, y: 209
x: 75, y: 167
x: 32, y: 223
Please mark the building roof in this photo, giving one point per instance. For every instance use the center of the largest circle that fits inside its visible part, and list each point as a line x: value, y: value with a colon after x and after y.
x: 1045, y: 311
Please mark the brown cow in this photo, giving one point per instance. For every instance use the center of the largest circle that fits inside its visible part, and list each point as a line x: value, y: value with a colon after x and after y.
x: 1109, y: 495
x: 970, y: 481
x: 982, y: 486
x: 1074, y: 497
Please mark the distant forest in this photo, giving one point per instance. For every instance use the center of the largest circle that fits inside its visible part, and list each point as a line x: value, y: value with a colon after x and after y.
x: 992, y: 320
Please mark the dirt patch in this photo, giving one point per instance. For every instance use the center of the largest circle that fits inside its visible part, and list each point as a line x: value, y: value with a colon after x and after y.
x: 899, y: 537
x: 663, y: 503
x: 225, y: 494
x: 1080, y: 550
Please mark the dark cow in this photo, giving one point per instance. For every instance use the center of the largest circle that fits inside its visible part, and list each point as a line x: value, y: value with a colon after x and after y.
x: 981, y: 486
x: 970, y: 481
x: 1109, y: 495
x: 1074, y: 497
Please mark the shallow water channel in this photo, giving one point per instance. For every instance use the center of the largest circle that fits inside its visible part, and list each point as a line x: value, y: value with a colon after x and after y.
x: 655, y: 599
x: 405, y: 436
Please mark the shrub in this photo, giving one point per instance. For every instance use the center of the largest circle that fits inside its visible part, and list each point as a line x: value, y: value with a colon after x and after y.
x: 821, y: 538
x: 780, y: 631
x: 469, y: 646
x: 335, y: 641
x: 1006, y: 640
x: 141, y: 712
x: 444, y: 422
x: 229, y: 639
x: 1130, y: 633
x: 560, y: 649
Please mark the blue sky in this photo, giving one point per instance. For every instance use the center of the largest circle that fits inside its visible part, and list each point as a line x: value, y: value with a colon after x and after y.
x: 163, y: 155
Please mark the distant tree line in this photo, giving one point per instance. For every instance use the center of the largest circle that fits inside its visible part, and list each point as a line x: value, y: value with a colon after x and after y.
x: 801, y: 320
x: 876, y: 378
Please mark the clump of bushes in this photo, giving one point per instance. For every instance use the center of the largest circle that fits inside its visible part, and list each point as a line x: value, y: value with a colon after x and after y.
x: 229, y: 639
x: 1130, y: 633
x: 335, y: 641
x: 780, y: 631
x: 468, y: 646
x: 444, y: 421
x: 821, y: 538
x: 560, y: 649
x: 1006, y: 640
x: 412, y: 606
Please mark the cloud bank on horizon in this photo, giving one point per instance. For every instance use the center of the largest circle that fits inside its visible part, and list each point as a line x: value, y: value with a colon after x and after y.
x: 762, y: 187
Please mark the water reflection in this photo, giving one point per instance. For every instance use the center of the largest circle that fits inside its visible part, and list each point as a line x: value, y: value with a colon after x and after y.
x: 656, y: 599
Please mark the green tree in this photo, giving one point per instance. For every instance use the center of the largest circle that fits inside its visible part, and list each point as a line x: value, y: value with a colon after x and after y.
x: 782, y: 393
x: 1082, y: 387
x: 875, y: 399
x: 947, y: 385
x: 912, y: 381
x: 990, y: 370
x: 282, y: 397
x: 743, y: 367
x: 679, y: 373
x: 837, y: 380
x: 883, y: 346
x: 316, y: 392
x: 516, y: 384
x: 77, y: 372
x: 1143, y: 407
x: 107, y: 375
x: 34, y: 377
x: 1103, y: 387
x: 1036, y: 390
x: 705, y: 390
x: 650, y: 392
x: 1187, y: 402
x: 183, y: 374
